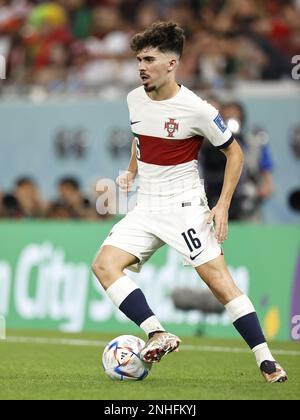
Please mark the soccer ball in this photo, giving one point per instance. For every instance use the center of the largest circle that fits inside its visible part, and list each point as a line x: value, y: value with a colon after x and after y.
x: 121, y: 359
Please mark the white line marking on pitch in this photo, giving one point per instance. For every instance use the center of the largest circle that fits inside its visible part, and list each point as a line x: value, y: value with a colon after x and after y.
x: 95, y: 343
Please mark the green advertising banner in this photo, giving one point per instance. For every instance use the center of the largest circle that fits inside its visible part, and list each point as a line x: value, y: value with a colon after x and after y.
x: 46, y: 281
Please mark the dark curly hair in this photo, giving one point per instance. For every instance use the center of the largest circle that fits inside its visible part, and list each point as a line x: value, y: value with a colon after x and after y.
x: 166, y: 36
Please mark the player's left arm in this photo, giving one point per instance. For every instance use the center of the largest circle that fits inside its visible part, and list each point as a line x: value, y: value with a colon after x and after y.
x: 234, y: 164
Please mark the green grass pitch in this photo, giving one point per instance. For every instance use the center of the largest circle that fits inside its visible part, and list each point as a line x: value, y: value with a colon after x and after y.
x: 50, y: 368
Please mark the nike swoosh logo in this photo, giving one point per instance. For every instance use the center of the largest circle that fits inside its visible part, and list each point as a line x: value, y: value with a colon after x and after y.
x: 134, y: 122
x: 195, y: 256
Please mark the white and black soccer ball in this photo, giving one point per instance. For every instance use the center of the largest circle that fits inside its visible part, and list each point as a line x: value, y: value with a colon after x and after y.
x: 121, y: 359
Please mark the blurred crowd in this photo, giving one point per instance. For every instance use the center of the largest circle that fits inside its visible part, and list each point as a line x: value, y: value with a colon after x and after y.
x: 26, y: 201
x: 75, y: 46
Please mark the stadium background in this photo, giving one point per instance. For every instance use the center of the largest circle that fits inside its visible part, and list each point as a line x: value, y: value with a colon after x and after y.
x: 63, y: 114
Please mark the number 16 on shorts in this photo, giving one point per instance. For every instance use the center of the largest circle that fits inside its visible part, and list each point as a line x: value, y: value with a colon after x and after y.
x: 193, y: 242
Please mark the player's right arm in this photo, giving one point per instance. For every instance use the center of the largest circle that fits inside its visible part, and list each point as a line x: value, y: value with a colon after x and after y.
x: 126, y: 180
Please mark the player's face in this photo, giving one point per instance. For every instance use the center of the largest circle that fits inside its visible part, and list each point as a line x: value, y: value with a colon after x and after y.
x: 155, y: 68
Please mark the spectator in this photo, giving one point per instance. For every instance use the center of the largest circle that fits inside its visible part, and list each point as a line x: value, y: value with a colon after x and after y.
x: 80, y: 15
x: 9, y: 207
x: 27, y: 199
x: 70, y: 201
x: 59, y: 211
x: 256, y: 184
x: 294, y: 200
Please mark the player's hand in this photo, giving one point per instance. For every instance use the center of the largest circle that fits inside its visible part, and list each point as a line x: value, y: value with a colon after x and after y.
x: 126, y: 181
x: 219, y: 215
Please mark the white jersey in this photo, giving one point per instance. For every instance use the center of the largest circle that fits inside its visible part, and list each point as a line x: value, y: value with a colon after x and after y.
x: 168, y: 136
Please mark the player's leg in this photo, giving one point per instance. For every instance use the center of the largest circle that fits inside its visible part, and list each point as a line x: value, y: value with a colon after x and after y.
x: 242, y: 314
x: 108, y: 267
x: 218, y: 278
x: 194, y: 238
x: 131, y: 243
x: 110, y: 263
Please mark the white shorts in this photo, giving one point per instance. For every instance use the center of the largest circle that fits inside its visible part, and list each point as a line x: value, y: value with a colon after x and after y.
x: 141, y: 233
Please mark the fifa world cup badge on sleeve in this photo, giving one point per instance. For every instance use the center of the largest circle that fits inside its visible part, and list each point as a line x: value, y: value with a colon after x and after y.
x: 220, y: 123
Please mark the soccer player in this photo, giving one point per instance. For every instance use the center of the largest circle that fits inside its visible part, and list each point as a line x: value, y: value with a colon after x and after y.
x: 169, y: 123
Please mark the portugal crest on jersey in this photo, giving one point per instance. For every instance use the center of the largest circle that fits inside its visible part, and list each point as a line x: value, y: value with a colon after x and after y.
x: 171, y: 126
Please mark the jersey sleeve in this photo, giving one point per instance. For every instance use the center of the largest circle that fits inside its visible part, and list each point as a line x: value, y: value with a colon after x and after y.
x: 210, y: 124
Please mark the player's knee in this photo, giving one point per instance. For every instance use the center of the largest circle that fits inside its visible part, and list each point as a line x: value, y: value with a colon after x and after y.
x: 95, y: 268
x: 101, y: 267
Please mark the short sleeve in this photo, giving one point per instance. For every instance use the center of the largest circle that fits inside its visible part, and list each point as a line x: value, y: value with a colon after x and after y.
x: 210, y: 124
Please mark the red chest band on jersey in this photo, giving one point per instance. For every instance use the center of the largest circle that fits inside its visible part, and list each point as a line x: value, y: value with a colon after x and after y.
x: 164, y: 152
